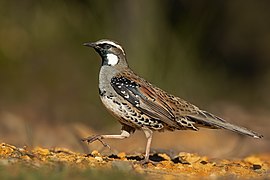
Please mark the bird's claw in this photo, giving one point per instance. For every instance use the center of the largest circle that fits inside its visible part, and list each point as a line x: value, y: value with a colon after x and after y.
x: 93, y: 138
x: 104, y: 144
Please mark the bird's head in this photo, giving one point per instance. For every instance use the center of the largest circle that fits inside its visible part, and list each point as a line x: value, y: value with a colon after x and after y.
x: 111, y: 52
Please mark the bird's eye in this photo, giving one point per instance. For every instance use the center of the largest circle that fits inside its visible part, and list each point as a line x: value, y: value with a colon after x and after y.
x: 107, y: 46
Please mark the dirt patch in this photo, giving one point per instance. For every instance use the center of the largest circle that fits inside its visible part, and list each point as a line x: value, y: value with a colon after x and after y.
x: 184, y: 165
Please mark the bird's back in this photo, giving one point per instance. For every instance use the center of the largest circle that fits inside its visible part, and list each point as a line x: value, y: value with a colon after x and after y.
x: 172, y: 111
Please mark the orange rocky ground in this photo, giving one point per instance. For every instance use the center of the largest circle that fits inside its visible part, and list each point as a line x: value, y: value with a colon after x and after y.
x: 185, y: 165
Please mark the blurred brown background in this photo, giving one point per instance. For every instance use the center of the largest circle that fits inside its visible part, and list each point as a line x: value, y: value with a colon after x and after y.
x: 215, y: 54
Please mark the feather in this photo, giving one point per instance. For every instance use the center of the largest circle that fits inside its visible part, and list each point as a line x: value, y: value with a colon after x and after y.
x: 142, y: 101
x: 173, y: 111
x: 208, y: 119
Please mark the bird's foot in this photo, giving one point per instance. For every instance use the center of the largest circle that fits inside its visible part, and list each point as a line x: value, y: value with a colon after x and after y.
x: 93, y: 138
x: 145, y: 162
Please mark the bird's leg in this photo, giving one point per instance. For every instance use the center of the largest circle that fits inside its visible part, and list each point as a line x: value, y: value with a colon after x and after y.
x: 149, y: 134
x: 124, y: 134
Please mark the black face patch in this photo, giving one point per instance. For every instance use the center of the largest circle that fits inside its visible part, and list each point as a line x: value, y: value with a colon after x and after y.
x: 105, y: 46
x: 103, y: 50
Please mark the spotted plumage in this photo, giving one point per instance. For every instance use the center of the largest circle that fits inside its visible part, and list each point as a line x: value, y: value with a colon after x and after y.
x: 137, y: 104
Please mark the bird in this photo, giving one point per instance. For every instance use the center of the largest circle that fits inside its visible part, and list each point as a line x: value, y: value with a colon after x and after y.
x: 139, y: 105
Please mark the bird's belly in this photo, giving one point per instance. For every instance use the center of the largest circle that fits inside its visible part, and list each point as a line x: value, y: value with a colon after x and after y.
x: 112, y: 106
x: 130, y: 116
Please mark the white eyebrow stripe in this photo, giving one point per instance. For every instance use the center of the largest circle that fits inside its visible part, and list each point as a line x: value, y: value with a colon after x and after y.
x: 112, y: 43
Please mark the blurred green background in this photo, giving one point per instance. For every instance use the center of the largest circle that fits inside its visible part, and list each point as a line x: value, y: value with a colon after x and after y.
x: 215, y: 54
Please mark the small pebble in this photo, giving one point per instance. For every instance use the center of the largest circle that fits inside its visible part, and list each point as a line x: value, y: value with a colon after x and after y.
x: 99, y: 158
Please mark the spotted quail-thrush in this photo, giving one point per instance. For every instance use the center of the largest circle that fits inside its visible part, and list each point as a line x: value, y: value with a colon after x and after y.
x: 137, y: 104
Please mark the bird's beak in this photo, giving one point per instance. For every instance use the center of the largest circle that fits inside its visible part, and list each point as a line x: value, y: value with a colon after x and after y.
x: 90, y: 44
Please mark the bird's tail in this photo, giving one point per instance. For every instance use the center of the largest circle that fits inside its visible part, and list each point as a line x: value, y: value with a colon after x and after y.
x: 210, y: 120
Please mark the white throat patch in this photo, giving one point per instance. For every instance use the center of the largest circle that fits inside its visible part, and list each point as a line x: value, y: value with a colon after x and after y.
x: 112, y: 59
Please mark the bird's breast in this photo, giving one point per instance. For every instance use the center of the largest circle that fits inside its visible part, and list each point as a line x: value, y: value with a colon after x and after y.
x: 127, y: 114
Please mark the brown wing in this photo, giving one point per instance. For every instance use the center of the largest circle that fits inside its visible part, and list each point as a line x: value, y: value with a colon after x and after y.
x: 144, y: 98
x: 158, y: 104
x: 172, y: 110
